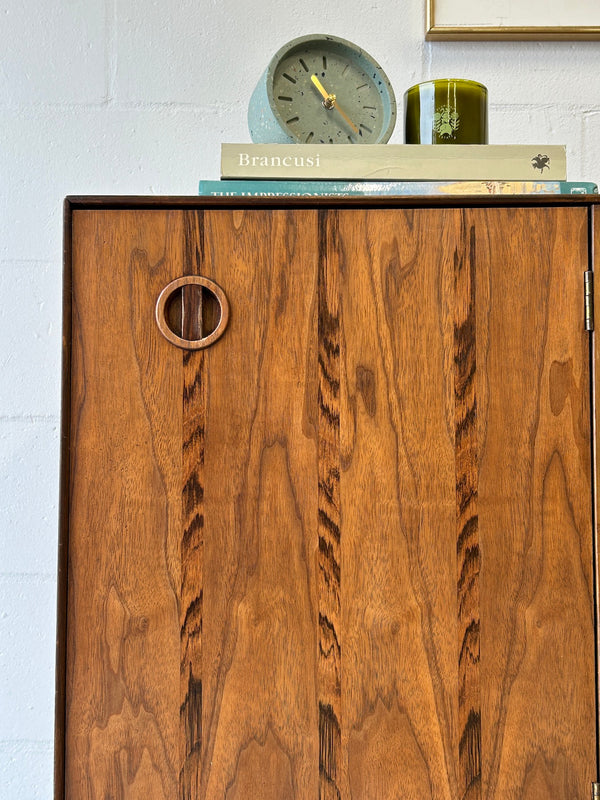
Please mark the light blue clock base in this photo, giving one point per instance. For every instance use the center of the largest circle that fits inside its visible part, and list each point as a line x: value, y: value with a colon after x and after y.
x: 263, y: 126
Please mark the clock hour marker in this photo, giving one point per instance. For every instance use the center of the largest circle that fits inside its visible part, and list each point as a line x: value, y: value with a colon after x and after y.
x: 324, y: 62
x: 364, y: 127
x: 345, y: 70
x: 309, y: 137
x: 289, y: 77
x: 362, y: 86
x: 367, y: 108
x: 283, y: 97
x: 303, y: 63
x: 293, y: 119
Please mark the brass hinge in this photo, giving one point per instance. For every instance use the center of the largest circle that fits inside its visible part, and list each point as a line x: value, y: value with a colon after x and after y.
x: 588, y: 284
x: 595, y: 791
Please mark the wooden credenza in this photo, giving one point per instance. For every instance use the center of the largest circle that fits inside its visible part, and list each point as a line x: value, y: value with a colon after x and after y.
x: 347, y: 549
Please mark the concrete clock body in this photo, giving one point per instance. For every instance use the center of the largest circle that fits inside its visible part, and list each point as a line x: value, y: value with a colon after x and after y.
x: 322, y: 89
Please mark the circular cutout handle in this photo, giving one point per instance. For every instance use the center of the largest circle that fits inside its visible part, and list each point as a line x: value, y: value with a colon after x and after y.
x: 208, y: 290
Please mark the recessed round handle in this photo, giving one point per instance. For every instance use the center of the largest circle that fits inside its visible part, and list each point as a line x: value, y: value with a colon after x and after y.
x: 192, y: 312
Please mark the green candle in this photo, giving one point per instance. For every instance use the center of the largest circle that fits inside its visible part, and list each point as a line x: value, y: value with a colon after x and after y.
x: 446, y: 111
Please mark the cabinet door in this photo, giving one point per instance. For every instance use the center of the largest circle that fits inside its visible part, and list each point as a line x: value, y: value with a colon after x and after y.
x: 345, y: 551
x: 192, y: 609
x: 464, y: 635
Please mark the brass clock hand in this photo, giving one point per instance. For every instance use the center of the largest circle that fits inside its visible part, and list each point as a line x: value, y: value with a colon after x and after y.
x: 347, y: 118
x: 330, y: 101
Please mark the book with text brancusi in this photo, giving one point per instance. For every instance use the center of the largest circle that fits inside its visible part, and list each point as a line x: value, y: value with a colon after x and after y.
x: 420, y: 162
x: 266, y: 188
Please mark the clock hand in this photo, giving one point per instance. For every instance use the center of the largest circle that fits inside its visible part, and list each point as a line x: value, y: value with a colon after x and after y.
x: 347, y: 118
x: 330, y: 101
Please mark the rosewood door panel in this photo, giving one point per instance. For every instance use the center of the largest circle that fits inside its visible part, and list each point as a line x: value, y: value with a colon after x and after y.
x: 346, y: 551
x: 534, y: 509
x: 465, y: 542
x: 191, y: 635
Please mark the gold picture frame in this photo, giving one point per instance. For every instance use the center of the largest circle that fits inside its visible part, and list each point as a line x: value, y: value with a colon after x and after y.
x: 464, y: 20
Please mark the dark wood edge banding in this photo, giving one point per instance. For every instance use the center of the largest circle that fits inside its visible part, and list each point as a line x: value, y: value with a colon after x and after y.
x: 63, y: 513
x: 124, y: 202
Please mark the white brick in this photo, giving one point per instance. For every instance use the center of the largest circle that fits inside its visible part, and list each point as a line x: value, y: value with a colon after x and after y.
x: 108, y: 150
x: 202, y: 53
x: 562, y: 74
x: 29, y: 458
x: 27, y: 657
x: 26, y: 770
x: 30, y: 321
x: 52, y: 52
x: 591, y: 145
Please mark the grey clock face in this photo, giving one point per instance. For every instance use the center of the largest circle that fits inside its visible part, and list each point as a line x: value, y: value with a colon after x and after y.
x: 328, y: 90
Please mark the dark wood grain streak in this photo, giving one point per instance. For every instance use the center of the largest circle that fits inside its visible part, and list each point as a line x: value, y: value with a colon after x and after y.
x: 328, y: 525
x: 192, y: 517
x: 467, y: 527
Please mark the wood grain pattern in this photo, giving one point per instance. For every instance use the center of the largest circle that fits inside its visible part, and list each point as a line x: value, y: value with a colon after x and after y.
x: 122, y: 705
x: 466, y: 444
x: 260, y: 505
x: 537, y: 677
x: 399, y: 667
x: 345, y: 553
x: 192, y: 516
x: 329, y: 520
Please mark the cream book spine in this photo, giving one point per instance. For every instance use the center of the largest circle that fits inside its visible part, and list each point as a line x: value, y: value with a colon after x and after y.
x: 421, y: 162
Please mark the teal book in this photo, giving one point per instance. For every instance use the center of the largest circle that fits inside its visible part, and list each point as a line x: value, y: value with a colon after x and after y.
x: 301, y: 188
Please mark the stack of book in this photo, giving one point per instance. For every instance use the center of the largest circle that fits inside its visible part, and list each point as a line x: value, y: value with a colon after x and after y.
x: 265, y: 170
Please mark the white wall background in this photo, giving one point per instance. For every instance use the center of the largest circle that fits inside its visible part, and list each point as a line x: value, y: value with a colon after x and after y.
x: 131, y: 97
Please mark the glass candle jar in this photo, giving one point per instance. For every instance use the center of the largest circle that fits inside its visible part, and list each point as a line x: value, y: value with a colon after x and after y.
x: 446, y: 111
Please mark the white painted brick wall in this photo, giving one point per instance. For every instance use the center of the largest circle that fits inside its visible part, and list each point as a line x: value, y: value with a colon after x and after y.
x: 126, y: 97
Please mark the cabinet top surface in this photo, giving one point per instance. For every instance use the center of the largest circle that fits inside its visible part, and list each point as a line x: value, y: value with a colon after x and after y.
x: 191, y: 202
